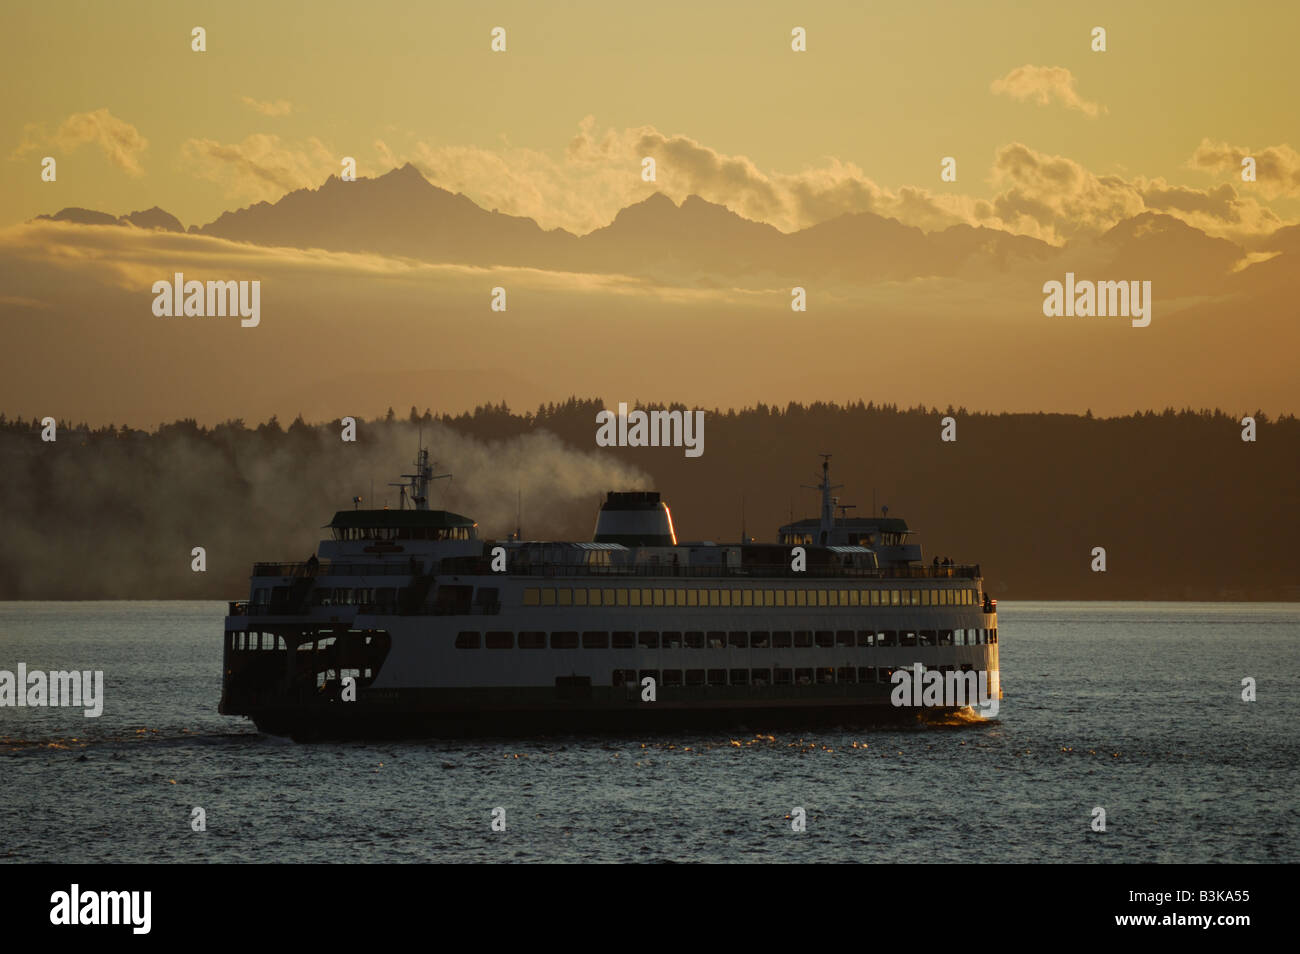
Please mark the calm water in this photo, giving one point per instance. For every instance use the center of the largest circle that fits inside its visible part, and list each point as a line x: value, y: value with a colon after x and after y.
x: 1134, y: 707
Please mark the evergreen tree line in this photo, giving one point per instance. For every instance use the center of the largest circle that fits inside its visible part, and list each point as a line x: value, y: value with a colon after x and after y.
x: 1184, y: 508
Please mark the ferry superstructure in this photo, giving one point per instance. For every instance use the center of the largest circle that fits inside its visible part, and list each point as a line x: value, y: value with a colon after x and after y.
x: 406, y: 623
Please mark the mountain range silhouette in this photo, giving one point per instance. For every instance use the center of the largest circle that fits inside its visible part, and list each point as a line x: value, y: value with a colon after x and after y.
x: 403, y: 214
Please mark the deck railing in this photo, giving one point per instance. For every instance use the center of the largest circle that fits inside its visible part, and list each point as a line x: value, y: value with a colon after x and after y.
x: 298, y: 570
x: 476, y: 566
x: 480, y: 566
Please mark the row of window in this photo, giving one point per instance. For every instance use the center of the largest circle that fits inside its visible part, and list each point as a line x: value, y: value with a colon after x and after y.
x: 765, y: 597
x: 776, y: 639
x: 345, y: 596
x: 403, y: 533
x: 759, y: 678
x: 801, y: 538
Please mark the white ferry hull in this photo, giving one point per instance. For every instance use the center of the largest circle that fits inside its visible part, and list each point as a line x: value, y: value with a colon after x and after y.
x: 420, y: 675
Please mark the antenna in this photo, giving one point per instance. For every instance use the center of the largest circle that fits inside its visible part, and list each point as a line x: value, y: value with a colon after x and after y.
x: 519, y: 509
x: 419, y: 481
x: 744, y: 537
x: 828, y: 504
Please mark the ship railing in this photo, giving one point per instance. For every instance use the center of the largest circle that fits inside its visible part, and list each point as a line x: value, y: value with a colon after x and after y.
x: 965, y: 571
x: 285, y: 569
x: 298, y: 570
x: 371, y: 569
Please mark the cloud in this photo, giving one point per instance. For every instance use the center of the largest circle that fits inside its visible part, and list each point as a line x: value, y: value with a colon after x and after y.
x: 1277, y: 168
x: 133, y: 259
x: 262, y: 166
x: 1042, y: 85
x: 120, y: 142
x: 599, y: 173
x: 278, y: 107
x: 1056, y: 199
x: 1044, y: 196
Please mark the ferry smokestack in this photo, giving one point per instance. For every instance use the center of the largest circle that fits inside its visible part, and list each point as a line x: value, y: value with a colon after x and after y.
x: 635, y: 519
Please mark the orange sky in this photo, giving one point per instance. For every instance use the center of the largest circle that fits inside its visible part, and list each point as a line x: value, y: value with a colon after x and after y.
x: 1052, y: 140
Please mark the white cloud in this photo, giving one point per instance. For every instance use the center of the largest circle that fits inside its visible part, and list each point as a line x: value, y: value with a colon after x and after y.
x: 120, y: 142
x: 1042, y: 85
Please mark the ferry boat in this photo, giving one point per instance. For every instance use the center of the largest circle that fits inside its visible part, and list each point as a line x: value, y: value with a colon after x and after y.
x: 405, y: 623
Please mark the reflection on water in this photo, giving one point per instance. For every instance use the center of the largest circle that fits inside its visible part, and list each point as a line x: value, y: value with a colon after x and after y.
x: 1131, y: 707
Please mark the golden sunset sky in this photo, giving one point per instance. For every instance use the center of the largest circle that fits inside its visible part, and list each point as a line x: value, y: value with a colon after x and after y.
x: 553, y: 127
x: 1114, y: 159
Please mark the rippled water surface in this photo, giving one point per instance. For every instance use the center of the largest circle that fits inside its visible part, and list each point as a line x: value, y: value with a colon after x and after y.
x: 1132, y: 707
